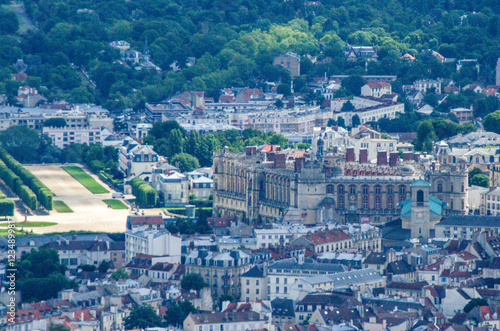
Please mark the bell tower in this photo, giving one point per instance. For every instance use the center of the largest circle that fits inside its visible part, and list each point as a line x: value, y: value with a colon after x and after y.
x: 420, y: 209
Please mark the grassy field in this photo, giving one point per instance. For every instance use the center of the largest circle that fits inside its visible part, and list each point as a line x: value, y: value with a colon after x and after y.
x: 29, y: 224
x: 115, y: 204
x: 85, y: 179
x: 61, y: 207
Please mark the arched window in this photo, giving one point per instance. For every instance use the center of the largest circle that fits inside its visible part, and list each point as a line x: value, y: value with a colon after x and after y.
x: 365, y: 189
x: 451, y: 188
x: 420, y: 198
x: 377, y: 189
x: 377, y: 202
x: 440, y: 187
x: 341, y: 189
x: 451, y: 204
x: 352, y: 189
x: 329, y: 189
x: 365, y: 202
x: 389, y: 189
x: 215, y: 169
x: 463, y: 188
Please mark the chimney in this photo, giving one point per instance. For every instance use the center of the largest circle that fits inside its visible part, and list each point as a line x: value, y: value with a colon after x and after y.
x: 389, y: 277
x: 382, y: 158
x: 416, y: 157
x: 226, y: 149
x: 299, y: 162
x: 393, y: 159
x: 363, y: 155
x: 407, y: 156
x: 280, y: 161
x: 350, y: 157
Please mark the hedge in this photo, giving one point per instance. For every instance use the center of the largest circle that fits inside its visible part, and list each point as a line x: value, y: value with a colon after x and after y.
x: 144, y: 193
x: 6, y: 207
x: 42, y: 192
x: 28, y: 197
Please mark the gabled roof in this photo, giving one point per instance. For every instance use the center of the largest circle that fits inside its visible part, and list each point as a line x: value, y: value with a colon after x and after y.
x: 255, y: 272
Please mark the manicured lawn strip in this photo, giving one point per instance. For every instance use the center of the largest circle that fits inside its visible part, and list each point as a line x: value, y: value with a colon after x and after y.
x: 85, y: 179
x: 61, y: 207
x: 29, y: 224
x: 115, y: 204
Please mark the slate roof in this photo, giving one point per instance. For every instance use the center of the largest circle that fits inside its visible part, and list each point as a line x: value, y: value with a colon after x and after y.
x: 400, y: 267
x: 392, y: 304
x: 232, y: 317
x: 283, y: 307
x: 375, y: 258
x: 291, y: 264
x: 255, y: 272
x: 343, y: 279
x: 326, y: 299
x: 407, y: 286
x: 471, y: 221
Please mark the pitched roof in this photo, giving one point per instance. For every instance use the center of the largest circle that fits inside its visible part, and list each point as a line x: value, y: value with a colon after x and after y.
x: 231, y: 317
x: 418, y: 286
x: 255, y: 272
x: 471, y: 221
x: 323, y: 237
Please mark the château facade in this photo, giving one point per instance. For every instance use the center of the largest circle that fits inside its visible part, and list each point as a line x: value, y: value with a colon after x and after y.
x: 268, y: 184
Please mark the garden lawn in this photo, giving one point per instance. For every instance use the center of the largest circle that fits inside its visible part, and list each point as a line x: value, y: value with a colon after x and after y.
x: 29, y: 224
x: 115, y: 204
x: 85, y: 179
x: 61, y: 207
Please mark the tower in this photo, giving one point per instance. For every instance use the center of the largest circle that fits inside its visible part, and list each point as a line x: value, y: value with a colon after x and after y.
x: 420, y: 223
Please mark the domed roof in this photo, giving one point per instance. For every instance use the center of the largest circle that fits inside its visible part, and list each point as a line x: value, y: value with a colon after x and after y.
x: 462, y: 159
x: 407, y: 170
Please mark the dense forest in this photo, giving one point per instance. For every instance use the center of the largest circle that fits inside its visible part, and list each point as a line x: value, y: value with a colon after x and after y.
x: 234, y: 43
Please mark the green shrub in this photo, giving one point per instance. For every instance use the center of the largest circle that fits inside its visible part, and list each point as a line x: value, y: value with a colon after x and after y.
x: 6, y: 207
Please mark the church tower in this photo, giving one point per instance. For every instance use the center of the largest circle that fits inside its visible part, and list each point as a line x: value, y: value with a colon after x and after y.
x: 420, y: 209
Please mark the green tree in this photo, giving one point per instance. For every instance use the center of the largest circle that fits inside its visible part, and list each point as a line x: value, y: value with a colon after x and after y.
x: 341, y: 122
x: 40, y: 276
x: 480, y: 180
x: 284, y: 89
x: 23, y: 143
x: 119, y: 274
x: 104, y: 266
x: 348, y: 106
x: 492, y: 122
x: 193, y: 282
x: 353, y: 84
x: 425, y: 136
x: 356, y: 121
x: 142, y: 317
x: 185, y: 162
x: 55, y: 122
x: 9, y: 24
x: 177, y: 313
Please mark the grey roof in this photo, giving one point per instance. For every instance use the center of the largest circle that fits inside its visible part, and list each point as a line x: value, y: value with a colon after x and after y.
x: 37, y: 241
x: 391, y: 304
x: 291, y: 264
x: 343, y: 279
x: 471, y: 221
x: 283, y: 307
x: 255, y: 272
